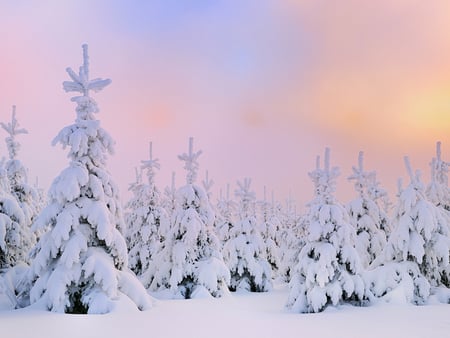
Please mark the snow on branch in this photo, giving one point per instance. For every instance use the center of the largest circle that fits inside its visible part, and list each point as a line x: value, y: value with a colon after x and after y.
x: 80, y: 82
x: 12, y: 128
x: 191, y: 162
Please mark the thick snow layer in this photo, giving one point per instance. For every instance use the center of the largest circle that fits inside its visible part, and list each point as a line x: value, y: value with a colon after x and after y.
x: 236, y: 315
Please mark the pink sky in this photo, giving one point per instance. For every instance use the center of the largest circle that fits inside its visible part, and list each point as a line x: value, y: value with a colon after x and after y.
x: 263, y: 86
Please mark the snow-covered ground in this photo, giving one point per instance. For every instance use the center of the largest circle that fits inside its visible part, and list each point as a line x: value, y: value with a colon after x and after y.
x: 236, y: 315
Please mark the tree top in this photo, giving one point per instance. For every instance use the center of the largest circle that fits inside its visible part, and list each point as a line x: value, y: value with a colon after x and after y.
x: 80, y: 82
x: 12, y: 128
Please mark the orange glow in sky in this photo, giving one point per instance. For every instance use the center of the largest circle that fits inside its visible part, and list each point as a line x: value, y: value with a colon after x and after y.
x: 262, y: 86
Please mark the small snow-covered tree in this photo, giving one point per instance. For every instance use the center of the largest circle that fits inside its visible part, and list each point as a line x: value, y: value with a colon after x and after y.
x: 190, y: 260
x: 366, y: 216
x: 26, y: 195
x: 438, y: 191
x: 244, y: 251
x: 270, y: 227
x: 207, y: 184
x: 417, y: 252
x: 224, y: 218
x: 328, y: 269
x: 291, y: 238
x: 170, y: 196
x: 144, y: 220
x: 41, y: 196
x: 81, y: 261
x: 12, y: 235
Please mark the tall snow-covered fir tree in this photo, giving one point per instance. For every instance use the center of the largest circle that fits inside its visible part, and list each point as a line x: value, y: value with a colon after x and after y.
x: 145, y: 218
x: 366, y: 216
x: 328, y: 269
x: 417, y: 253
x: 81, y: 261
x: 244, y: 251
x: 26, y: 195
x: 190, y: 260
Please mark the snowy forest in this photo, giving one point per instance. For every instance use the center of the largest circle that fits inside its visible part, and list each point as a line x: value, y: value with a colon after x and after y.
x: 77, y: 249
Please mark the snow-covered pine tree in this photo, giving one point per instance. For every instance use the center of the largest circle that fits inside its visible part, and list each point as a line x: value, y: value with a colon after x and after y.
x: 224, y: 217
x: 270, y: 227
x: 328, y: 269
x: 380, y: 196
x: 42, y: 197
x: 12, y: 230
x: 366, y: 216
x: 417, y: 253
x: 81, y: 261
x: 130, y: 216
x: 190, y: 261
x: 438, y: 191
x: 244, y: 251
x: 145, y: 218
x: 207, y: 184
x: 291, y: 238
x: 26, y: 195
x: 170, y: 197
x: 169, y: 203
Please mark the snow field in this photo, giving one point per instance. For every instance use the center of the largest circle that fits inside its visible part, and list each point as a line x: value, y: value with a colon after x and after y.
x: 238, y: 314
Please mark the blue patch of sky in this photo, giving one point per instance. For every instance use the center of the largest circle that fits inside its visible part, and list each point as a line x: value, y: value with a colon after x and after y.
x: 242, y: 39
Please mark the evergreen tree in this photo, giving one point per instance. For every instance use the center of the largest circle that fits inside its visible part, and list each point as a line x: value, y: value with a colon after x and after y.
x: 144, y: 220
x: 291, y: 238
x: 224, y: 218
x: 438, y: 191
x: 170, y: 197
x: 380, y: 197
x: 417, y: 253
x: 366, y: 216
x: 270, y: 226
x: 244, y: 251
x: 207, y: 185
x: 328, y: 269
x: 12, y: 236
x: 190, y: 260
x: 134, y: 217
x: 26, y: 195
x: 81, y: 261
